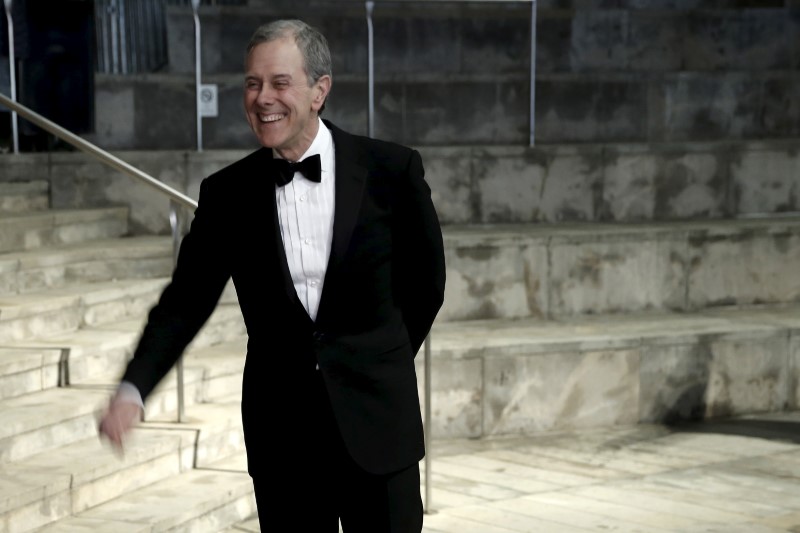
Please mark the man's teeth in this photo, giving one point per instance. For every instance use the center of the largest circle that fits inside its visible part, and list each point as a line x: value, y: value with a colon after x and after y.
x: 270, y: 118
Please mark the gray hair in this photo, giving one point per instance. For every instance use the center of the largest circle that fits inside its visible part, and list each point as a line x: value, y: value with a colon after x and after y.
x: 312, y: 44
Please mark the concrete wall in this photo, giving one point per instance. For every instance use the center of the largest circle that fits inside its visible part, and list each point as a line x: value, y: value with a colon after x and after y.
x: 459, y: 73
x: 489, y: 185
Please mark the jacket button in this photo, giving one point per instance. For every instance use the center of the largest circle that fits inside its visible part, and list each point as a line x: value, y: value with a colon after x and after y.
x: 318, y: 336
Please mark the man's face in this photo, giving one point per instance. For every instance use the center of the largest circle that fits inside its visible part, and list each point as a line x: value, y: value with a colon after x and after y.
x: 280, y: 106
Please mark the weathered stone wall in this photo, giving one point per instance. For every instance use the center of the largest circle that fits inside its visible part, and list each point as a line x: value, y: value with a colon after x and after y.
x: 489, y: 185
x: 450, y: 73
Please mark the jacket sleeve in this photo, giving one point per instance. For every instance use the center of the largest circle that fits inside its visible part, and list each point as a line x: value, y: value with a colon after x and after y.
x: 419, y: 266
x: 187, y: 301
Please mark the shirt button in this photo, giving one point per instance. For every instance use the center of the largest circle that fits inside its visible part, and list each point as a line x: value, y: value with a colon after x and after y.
x: 307, y: 241
x: 302, y: 198
x: 313, y: 283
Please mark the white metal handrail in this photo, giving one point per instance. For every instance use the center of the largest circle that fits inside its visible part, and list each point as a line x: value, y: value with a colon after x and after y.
x: 176, y: 197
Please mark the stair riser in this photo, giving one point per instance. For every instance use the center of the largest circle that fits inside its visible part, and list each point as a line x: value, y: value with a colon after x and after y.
x: 127, y: 480
x: 24, y: 445
x: 96, y: 271
x: 217, y: 519
x: 538, y: 388
x: 50, y: 508
x: 23, y: 203
x: 34, y: 234
x: 646, y: 269
x: 41, y: 326
x: 34, y: 380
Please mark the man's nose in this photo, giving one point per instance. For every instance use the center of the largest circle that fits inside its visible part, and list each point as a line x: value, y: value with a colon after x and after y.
x: 266, y: 95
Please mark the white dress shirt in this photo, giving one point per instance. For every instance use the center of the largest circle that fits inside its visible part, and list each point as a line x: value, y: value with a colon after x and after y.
x: 305, y: 215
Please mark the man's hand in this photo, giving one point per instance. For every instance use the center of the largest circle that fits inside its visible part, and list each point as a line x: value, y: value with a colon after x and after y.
x: 120, y: 417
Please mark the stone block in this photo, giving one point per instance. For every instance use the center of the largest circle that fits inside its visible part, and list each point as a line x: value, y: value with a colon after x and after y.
x: 347, y: 107
x: 571, y: 109
x: 565, y: 390
x: 571, y: 186
x: 781, y: 107
x: 509, y: 186
x: 30, y: 167
x: 748, y: 376
x: 165, y: 114
x: 439, y: 113
x: 751, y: 39
x: 599, y: 39
x: 629, y: 185
x: 720, y: 106
x: 456, y: 396
x: 448, y: 172
x: 751, y: 267
x: 691, y: 185
x: 794, y: 370
x: 496, y: 41
x: 85, y: 182
x: 553, y: 41
x: 654, y: 41
x: 494, y: 280
x: 766, y: 181
x: 616, y: 274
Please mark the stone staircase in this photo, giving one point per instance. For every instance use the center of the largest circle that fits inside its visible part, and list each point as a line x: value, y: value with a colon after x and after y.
x: 544, y: 328
x: 75, y: 291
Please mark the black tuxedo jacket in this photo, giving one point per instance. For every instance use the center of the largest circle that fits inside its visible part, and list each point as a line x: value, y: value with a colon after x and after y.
x: 383, y: 288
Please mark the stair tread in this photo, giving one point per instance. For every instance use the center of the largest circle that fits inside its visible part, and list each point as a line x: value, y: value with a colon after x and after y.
x: 30, y: 303
x: 78, y: 463
x: 101, y: 249
x: 610, y: 329
x: 167, y: 503
x: 29, y: 412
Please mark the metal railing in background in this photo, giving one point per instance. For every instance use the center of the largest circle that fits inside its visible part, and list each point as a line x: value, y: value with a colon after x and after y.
x: 177, y: 199
x: 12, y: 73
x: 131, y: 36
x: 197, y: 71
x: 208, y: 2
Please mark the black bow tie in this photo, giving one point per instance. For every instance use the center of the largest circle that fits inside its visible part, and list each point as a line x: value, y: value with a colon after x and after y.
x: 284, y: 170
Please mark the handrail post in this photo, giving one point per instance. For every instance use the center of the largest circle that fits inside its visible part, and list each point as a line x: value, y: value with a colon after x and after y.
x: 174, y: 223
x: 531, y: 139
x: 370, y: 72
x: 197, y: 67
x: 12, y: 73
x: 428, y: 429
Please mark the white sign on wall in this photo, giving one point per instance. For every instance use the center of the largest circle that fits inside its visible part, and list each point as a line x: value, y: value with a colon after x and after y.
x: 207, y: 100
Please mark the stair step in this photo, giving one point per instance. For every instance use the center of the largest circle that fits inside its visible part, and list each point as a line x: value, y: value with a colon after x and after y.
x: 72, y: 478
x: 102, y: 260
x: 27, y: 231
x: 499, y: 377
x: 96, y: 356
x: 38, y: 422
x: 87, y: 473
x: 24, y: 196
x: 200, y: 500
x: 554, y: 271
x: 56, y: 311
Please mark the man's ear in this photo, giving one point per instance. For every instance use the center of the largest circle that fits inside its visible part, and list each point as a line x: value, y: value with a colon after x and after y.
x: 321, y: 89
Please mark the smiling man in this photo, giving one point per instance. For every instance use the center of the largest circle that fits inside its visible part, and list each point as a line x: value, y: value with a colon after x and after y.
x: 336, y: 252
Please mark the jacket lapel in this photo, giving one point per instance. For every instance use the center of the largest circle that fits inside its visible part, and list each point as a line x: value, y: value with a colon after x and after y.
x: 351, y: 177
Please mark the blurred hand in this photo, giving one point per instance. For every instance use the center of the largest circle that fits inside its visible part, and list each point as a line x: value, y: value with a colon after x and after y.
x: 118, y: 420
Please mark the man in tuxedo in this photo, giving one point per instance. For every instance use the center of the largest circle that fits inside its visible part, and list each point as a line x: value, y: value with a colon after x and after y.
x: 338, y: 265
